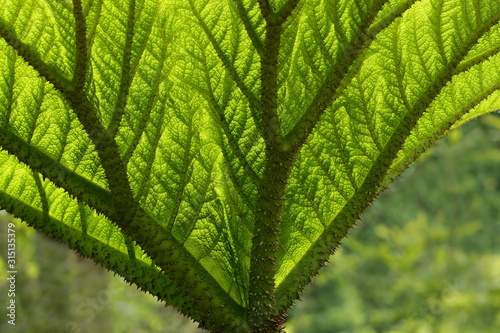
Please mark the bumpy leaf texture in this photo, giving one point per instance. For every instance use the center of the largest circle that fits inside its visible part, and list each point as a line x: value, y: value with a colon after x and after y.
x: 215, y: 152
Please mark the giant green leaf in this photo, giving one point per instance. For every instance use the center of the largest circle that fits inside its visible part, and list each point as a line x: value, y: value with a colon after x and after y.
x: 215, y: 152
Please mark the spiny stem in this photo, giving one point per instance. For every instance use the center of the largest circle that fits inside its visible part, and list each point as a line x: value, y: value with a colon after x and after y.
x: 262, y: 313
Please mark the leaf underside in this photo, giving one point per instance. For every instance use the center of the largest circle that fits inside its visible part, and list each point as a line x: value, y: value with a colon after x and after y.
x: 146, y: 134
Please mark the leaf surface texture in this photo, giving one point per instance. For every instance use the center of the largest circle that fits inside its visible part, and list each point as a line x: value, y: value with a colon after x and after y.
x: 363, y: 88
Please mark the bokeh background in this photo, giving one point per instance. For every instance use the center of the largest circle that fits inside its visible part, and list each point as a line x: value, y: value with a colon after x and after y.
x: 424, y: 258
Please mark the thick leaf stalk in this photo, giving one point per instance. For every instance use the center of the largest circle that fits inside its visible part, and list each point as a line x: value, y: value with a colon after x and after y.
x: 262, y: 311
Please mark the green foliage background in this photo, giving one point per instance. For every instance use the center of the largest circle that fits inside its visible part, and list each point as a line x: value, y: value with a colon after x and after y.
x: 425, y: 258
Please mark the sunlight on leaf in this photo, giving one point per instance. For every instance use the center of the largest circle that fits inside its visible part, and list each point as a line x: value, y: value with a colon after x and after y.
x: 216, y: 152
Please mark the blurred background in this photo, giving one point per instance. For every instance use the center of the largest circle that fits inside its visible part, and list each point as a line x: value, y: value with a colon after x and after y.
x: 424, y: 258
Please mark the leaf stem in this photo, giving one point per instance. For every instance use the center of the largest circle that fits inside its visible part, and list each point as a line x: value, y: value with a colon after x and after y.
x: 81, y: 54
x: 126, y: 75
x: 262, y: 313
